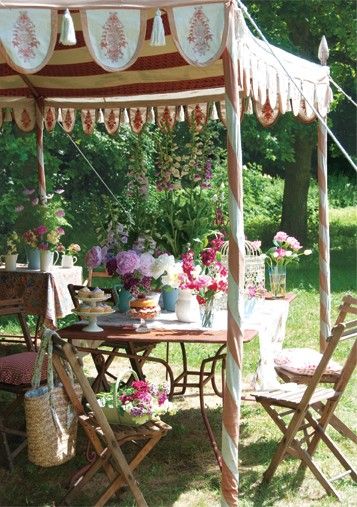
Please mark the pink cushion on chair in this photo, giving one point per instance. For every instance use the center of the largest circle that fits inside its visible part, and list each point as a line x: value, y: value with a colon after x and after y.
x: 17, y: 369
x: 304, y: 362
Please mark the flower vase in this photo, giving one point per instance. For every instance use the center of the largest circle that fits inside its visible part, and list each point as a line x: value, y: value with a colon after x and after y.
x: 207, y: 311
x: 187, y: 307
x: 47, y: 260
x: 33, y: 258
x: 10, y: 261
x: 68, y: 261
x: 169, y: 297
x: 277, y: 279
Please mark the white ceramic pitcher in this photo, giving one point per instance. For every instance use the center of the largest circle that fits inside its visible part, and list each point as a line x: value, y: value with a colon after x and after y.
x: 68, y: 261
x: 10, y: 261
x: 48, y: 260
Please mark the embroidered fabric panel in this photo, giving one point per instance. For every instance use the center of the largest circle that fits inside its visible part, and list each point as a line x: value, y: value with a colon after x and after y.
x: 68, y: 119
x: 112, y: 120
x: 113, y: 37
x: 50, y: 118
x: 25, y: 118
x: 26, y: 37
x: 88, y: 117
x: 199, y: 31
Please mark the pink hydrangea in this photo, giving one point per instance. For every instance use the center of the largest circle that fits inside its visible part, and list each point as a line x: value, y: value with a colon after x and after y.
x: 127, y: 262
x: 93, y: 257
x: 293, y: 243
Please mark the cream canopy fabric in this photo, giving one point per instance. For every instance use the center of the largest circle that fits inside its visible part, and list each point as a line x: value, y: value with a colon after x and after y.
x: 113, y: 66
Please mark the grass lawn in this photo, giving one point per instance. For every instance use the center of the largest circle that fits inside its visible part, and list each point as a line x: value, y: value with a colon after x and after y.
x: 181, y: 471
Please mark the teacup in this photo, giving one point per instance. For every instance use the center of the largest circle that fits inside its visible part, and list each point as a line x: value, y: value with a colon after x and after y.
x: 68, y: 261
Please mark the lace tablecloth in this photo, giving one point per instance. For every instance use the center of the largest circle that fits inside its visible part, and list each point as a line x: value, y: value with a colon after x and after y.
x: 268, y: 318
x: 44, y: 294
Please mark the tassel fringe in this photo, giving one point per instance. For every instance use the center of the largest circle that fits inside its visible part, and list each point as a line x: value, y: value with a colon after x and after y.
x: 150, y: 117
x: 59, y: 116
x: 158, y: 31
x: 100, y: 116
x: 126, y: 120
x: 68, y: 34
x: 214, y: 114
x: 181, y: 114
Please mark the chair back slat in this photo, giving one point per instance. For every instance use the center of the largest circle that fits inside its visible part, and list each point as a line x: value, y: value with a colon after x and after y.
x: 15, y: 307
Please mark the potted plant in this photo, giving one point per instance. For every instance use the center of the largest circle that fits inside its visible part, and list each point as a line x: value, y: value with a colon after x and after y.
x: 11, y: 255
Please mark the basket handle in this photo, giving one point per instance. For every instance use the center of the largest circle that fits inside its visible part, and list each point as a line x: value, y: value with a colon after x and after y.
x: 117, y: 382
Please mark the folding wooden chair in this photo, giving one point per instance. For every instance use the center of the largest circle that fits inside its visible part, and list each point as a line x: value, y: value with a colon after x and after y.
x: 298, y: 405
x: 15, y: 377
x: 102, y: 365
x: 347, y: 308
x: 105, y: 439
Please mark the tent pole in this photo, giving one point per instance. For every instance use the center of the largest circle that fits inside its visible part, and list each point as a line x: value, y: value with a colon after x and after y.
x: 40, y: 158
x: 232, y: 388
x: 324, y: 227
x: 324, y: 236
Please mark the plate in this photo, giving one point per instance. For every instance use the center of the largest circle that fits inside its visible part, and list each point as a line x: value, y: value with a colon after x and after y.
x: 92, y: 314
x: 96, y: 300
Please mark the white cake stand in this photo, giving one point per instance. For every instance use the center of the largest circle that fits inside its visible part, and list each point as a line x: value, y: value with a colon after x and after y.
x: 92, y: 326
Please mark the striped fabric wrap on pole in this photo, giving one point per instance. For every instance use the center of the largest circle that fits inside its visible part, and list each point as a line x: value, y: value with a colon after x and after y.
x: 232, y: 391
x: 40, y: 158
x: 324, y: 237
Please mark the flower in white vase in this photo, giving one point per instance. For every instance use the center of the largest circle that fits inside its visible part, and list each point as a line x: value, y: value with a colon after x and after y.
x: 163, y: 263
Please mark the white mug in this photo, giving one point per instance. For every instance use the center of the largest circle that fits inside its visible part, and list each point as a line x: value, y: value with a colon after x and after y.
x: 68, y: 261
x: 10, y: 261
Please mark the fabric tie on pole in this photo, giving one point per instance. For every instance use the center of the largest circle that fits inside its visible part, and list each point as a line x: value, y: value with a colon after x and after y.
x: 158, y: 31
x: 232, y: 391
x: 68, y: 33
x: 40, y: 158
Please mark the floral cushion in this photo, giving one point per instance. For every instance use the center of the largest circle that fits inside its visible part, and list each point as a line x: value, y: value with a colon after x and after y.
x: 17, y: 369
x: 303, y: 361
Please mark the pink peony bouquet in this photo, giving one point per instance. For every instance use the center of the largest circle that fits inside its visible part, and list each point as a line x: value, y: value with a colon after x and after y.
x: 206, y: 276
x: 139, y: 398
x: 286, y: 249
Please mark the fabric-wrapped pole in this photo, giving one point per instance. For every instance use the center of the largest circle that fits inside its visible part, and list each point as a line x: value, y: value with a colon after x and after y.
x: 232, y: 392
x: 40, y: 158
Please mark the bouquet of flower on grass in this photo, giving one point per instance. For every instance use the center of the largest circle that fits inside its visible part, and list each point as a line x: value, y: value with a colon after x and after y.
x: 135, y: 403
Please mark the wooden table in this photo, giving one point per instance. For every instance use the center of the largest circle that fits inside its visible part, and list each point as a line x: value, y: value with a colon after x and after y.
x: 122, y: 335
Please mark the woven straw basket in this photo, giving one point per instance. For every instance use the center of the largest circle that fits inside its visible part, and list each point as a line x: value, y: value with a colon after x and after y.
x: 48, y: 445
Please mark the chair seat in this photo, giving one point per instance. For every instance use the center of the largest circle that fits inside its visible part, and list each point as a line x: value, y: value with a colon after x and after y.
x: 298, y: 378
x: 291, y: 399
x: 304, y: 361
x: 17, y: 369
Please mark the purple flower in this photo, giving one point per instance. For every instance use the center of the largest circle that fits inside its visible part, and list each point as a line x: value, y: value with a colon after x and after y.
x: 19, y: 208
x: 93, y: 257
x: 41, y: 229
x: 60, y: 213
x: 111, y: 265
x: 127, y: 262
x: 35, y: 201
x: 59, y: 191
x: 28, y: 191
x: 146, y: 262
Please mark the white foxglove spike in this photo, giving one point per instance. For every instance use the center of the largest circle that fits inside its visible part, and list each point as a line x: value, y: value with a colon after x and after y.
x: 158, y: 31
x: 181, y: 114
x: 126, y: 120
x: 214, y: 114
x: 7, y: 115
x: 249, y: 106
x: 100, y: 116
x: 68, y: 33
x: 59, y: 117
x: 323, y: 52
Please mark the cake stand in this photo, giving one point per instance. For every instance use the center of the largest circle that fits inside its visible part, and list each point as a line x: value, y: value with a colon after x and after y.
x: 143, y: 328
x: 91, y: 316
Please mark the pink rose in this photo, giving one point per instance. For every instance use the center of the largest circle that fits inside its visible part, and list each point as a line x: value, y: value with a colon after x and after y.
x: 41, y: 229
x: 280, y: 236
x: 293, y: 243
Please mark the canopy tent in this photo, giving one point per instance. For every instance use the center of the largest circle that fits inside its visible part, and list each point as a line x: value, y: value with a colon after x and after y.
x: 208, y: 61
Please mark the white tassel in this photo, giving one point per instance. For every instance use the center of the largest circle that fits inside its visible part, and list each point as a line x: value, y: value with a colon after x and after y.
x: 7, y: 115
x: 181, y: 114
x: 158, y: 31
x: 126, y: 120
x: 59, y: 117
x: 100, y: 116
x: 249, y: 106
x: 214, y: 114
x: 68, y: 34
x: 150, y: 116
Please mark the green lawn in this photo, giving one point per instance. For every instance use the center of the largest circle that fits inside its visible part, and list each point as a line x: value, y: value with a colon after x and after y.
x: 181, y: 471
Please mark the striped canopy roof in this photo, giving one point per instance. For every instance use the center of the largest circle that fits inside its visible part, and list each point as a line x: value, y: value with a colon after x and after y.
x: 186, y: 70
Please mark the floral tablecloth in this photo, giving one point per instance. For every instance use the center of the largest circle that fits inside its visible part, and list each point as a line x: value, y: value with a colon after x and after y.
x: 44, y: 294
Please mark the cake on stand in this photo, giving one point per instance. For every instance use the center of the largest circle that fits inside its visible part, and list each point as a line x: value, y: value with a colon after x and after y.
x: 93, y: 312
